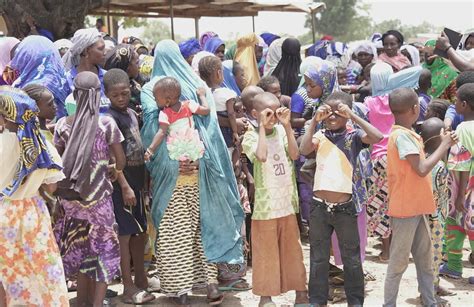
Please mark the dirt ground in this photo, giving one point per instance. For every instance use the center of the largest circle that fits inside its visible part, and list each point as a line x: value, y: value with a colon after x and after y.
x: 408, y: 295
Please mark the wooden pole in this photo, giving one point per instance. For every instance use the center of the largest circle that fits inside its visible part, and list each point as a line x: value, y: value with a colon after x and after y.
x: 172, y: 19
x: 313, y: 25
x: 253, y: 24
x: 196, y: 27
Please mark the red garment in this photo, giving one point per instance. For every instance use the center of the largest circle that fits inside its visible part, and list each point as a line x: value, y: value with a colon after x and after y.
x: 397, y: 62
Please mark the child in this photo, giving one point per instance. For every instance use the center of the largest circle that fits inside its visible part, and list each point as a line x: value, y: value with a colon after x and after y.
x: 177, y: 117
x: 337, y: 148
x: 272, y: 85
x: 461, y: 205
x: 86, y: 234
x: 128, y: 190
x: 437, y: 108
x: 277, y: 256
x: 410, y: 197
x: 424, y: 84
x: 248, y: 96
x: 430, y: 130
x: 210, y: 70
x: 47, y: 108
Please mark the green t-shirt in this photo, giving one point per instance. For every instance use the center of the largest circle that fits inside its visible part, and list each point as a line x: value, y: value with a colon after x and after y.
x: 275, y: 182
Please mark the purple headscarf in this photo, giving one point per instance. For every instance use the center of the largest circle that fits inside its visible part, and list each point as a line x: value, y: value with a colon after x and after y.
x: 189, y: 47
x: 269, y: 38
x: 205, y: 37
x: 213, y: 44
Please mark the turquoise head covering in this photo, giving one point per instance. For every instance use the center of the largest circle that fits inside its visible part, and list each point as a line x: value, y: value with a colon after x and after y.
x: 384, y: 80
x: 220, y: 210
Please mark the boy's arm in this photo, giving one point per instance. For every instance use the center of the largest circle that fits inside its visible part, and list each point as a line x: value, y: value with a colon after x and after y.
x: 203, y: 109
x: 128, y: 195
x: 424, y: 167
x: 461, y: 197
x: 157, y: 139
x: 371, y: 134
x: 449, y: 117
x: 262, y: 150
x: 284, y: 115
x: 308, y: 145
x: 232, y: 120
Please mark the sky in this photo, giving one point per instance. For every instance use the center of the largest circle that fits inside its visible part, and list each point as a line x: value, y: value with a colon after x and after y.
x: 454, y: 14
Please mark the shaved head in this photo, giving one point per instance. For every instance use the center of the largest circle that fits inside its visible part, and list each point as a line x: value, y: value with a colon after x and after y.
x: 265, y: 100
x: 402, y: 100
x: 248, y: 95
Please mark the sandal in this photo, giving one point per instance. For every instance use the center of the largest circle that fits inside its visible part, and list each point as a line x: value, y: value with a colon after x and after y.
x: 140, y: 297
x: 233, y: 286
x: 154, y: 284
x: 215, y: 301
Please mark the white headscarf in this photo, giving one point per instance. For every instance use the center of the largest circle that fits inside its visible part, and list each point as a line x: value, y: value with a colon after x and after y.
x: 414, y: 54
x: 63, y: 43
x: 82, y: 39
x: 367, y: 47
x: 273, y: 56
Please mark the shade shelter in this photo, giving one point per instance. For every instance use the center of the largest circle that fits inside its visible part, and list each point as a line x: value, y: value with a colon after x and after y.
x: 201, y: 8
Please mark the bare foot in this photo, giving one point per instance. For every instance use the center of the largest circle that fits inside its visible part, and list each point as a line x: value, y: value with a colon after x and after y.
x: 301, y: 297
x: 266, y: 300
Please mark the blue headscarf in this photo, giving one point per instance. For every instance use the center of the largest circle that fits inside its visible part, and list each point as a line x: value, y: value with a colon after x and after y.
x: 269, y: 38
x: 38, y: 61
x: 189, y: 47
x: 213, y: 44
x: 324, y: 74
x: 220, y: 210
x: 384, y: 80
x: 229, y: 78
x: 17, y: 107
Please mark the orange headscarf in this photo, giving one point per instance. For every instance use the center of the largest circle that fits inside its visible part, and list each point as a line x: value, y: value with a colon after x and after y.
x: 245, y: 55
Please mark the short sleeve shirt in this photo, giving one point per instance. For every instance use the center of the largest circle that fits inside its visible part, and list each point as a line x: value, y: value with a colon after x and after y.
x: 221, y: 96
x: 275, y: 182
x: 188, y: 108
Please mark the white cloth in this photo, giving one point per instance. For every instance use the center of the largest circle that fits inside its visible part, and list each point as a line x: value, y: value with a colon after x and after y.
x: 82, y: 39
x: 414, y: 54
x: 63, y: 43
x: 221, y: 96
x: 273, y: 56
x: 197, y: 58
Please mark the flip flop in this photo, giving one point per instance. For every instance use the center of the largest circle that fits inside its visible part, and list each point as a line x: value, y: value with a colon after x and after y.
x: 231, y: 286
x: 215, y: 301
x: 139, y: 298
x: 154, y: 284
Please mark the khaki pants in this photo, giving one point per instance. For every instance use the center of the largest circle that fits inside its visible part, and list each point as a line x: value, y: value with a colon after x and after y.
x: 277, y: 257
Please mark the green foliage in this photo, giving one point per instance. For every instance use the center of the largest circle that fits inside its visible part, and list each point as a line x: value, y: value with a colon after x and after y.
x: 349, y: 20
x: 156, y: 30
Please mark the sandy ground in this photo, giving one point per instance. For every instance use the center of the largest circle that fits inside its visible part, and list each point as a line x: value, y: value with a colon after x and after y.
x: 408, y: 295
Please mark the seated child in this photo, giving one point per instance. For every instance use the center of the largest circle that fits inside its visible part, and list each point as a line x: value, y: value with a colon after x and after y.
x: 410, y: 197
x: 210, y: 70
x: 177, y: 116
x: 337, y: 148
x: 459, y: 223
x: 277, y: 255
x: 430, y: 130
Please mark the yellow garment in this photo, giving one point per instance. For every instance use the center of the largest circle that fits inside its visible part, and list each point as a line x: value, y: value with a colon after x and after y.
x: 245, y: 55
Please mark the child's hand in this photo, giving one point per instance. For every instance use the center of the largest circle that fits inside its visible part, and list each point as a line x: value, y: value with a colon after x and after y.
x: 148, y: 155
x: 344, y: 111
x: 283, y: 115
x: 129, y: 198
x: 322, y: 113
x: 459, y: 204
x: 236, y: 138
x: 266, y: 116
x: 448, y: 138
x: 201, y: 92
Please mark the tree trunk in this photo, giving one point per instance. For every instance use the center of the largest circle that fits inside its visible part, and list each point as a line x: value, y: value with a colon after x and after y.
x: 61, y: 17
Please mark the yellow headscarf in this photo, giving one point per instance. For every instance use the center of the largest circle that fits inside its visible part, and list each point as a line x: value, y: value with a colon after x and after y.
x: 245, y: 55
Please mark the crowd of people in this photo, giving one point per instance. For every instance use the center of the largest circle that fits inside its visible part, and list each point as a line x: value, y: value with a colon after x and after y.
x: 204, y: 158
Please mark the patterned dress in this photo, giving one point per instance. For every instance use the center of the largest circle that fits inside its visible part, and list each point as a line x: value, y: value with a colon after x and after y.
x: 31, y: 270
x: 87, y: 233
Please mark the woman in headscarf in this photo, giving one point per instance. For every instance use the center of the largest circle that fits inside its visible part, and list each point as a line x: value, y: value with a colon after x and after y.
x: 189, y: 48
x: 205, y: 37
x: 31, y: 266
x: 63, y: 45
x: 221, y: 215
x: 383, y: 81
x: 86, y: 54
x: 365, y: 53
x: 443, y: 76
x: 86, y: 232
x: 246, y: 57
x: 392, y: 42
x: 261, y: 54
x: 37, y: 60
x: 273, y: 56
x: 412, y: 53
x: 215, y: 46
x: 7, y: 44
x: 287, y: 70
x: 125, y: 57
